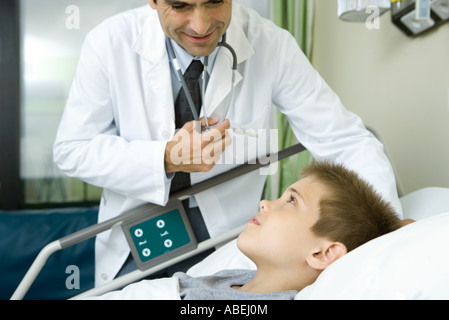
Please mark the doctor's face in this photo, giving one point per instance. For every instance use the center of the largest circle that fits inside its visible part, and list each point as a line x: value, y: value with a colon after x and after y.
x: 196, y: 25
x: 280, y: 233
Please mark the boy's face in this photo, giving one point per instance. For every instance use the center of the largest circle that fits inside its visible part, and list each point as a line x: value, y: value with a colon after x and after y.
x: 196, y: 25
x: 281, y: 233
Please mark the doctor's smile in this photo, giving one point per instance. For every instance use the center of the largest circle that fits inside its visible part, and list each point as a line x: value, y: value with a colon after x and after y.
x: 196, y: 26
x: 200, y: 39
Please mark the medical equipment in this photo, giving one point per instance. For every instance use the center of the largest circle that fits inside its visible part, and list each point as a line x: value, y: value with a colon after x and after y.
x: 177, y: 66
x: 360, y: 11
x: 414, y: 17
x: 422, y: 10
x: 163, y: 236
x: 129, y: 220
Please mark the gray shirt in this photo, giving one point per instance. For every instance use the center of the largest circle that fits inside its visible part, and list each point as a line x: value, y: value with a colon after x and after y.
x: 218, y: 287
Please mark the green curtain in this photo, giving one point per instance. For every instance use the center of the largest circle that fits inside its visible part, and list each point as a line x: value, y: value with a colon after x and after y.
x: 296, y: 16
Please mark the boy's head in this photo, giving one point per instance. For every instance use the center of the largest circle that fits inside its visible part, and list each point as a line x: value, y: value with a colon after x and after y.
x: 353, y: 213
x: 327, y: 213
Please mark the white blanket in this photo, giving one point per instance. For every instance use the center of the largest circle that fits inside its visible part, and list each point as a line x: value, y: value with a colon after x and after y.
x: 159, y: 289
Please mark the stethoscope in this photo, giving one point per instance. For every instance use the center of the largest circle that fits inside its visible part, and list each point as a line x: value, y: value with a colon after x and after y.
x: 177, y: 67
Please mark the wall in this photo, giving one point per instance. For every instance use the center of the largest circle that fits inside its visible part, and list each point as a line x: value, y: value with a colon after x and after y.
x: 398, y: 84
x: 263, y: 7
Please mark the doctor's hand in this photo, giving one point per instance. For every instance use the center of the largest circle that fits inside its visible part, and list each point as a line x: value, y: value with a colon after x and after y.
x: 190, y: 151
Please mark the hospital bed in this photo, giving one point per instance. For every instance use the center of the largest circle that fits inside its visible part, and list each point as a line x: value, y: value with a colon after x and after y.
x: 411, y: 263
x: 139, y: 214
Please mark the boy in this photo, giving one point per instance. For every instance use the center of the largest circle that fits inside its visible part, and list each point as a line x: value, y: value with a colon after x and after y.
x: 318, y: 219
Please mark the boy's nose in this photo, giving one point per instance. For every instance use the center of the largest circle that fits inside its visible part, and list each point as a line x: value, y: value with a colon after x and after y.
x: 265, y: 205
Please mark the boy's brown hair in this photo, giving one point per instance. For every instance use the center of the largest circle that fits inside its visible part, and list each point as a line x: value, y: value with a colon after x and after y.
x: 352, y: 213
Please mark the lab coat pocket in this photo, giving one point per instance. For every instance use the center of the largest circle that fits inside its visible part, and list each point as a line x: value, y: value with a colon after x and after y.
x: 250, y: 141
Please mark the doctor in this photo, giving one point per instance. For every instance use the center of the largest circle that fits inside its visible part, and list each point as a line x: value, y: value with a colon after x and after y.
x: 119, y: 125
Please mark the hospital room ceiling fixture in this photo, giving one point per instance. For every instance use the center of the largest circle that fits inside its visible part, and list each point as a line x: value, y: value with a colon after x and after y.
x: 413, y: 17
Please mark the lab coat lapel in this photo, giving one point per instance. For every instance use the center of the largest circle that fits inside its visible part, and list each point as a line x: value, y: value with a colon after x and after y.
x: 219, y: 86
x: 150, y: 45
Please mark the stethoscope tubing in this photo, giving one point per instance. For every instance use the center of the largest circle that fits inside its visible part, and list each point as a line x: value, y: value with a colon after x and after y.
x: 177, y: 67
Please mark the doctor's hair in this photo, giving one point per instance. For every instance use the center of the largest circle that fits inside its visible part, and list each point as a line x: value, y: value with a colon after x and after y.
x: 351, y: 212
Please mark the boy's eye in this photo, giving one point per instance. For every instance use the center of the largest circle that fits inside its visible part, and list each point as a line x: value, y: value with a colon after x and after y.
x: 292, y: 200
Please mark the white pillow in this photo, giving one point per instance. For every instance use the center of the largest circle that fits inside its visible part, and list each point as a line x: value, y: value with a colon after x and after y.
x: 410, y: 263
x: 425, y: 202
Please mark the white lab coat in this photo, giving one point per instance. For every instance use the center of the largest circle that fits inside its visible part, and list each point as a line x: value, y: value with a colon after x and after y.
x: 120, y: 115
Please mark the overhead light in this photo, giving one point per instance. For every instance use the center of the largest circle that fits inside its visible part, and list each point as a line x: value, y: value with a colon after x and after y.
x: 360, y: 10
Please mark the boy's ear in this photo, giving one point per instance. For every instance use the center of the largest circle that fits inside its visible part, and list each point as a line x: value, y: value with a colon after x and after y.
x: 322, y: 257
x: 152, y: 4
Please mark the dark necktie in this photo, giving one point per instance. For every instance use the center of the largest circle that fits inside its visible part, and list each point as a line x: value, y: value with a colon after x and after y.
x: 183, y: 114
